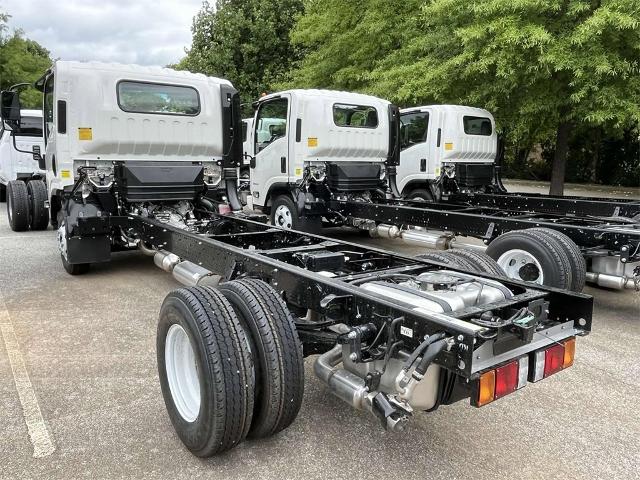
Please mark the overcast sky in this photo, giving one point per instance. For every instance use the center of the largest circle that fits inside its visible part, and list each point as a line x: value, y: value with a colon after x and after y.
x: 146, y: 32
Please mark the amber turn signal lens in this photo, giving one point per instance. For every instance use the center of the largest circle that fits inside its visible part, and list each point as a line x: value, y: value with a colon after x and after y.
x: 569, y: 352
x: 486, y: 388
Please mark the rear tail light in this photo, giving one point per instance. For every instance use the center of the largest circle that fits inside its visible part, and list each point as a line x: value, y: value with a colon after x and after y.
x: 569, y: 352
x: 502, y: 381
x: 506, y: 379
x: 512, y: 376
x: 553, y: 359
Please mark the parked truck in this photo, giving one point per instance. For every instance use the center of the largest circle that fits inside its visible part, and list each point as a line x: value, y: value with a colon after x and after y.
x: 21, y: 177
x: 147, y: 158
x: 349, y: 159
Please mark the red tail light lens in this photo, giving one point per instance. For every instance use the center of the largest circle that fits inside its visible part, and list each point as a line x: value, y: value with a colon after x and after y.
x: 553, y: 360
x: 506, y: 379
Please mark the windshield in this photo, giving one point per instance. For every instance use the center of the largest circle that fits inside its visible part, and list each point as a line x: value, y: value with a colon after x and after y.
x: 30, y: 126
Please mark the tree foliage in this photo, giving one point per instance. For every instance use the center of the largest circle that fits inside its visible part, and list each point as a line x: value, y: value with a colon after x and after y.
x: 245, y: 41
x: 543, y: 67
x: 21, y: 61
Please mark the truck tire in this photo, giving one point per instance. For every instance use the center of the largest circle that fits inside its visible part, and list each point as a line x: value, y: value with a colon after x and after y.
x: 276, y: 351
x: 448, y: 258
x: 75, y: 268
x: 39, y: 218
x: 18, y: 205
x: 3, y: 193
x: 205, y: 368
x: 576, y: 259
x: 420, y: 195
x: 284, y: 214
x: 482, y: 263
x: 532, y: 257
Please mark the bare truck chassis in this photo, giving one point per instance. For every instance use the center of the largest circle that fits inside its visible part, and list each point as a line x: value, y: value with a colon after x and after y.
x: 322, y: 283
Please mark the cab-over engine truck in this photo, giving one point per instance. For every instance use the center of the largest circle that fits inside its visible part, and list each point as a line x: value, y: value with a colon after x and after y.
x: 311, y: 145
x: 21, y: 178
x: 396, y: 335
x: 452, y: 153
x: 334, y: 161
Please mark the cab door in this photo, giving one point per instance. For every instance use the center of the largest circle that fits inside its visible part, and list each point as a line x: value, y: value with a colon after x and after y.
x: 416, y: 161
x: 271, y: 146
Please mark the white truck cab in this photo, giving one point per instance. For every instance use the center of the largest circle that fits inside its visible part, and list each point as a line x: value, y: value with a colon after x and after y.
x: 127, y: 113
x: 16, y: 159
x: 442, y: 144
x: 20, y: 174
x: 127, y: 138
x: 307, y: 145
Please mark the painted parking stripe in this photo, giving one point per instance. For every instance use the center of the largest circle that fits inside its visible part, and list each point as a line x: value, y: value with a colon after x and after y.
x: 38, y: 433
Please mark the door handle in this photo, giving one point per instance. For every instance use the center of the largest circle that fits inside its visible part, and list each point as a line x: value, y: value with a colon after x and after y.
x: 283, y: 164
x: 423, y: 164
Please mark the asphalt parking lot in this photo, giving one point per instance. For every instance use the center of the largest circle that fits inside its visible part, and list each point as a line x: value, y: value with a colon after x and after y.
x: 78, y: 373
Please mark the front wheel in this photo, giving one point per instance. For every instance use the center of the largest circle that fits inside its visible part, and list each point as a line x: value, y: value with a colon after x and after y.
x: 284, y: 214
x: 420, y: 195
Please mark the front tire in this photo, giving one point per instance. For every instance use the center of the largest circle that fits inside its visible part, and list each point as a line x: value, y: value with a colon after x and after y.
x: 18, y: 205
x: 420, y: 195
x: 284, y: 214
x: 205, y: 368
x: 74, y: 268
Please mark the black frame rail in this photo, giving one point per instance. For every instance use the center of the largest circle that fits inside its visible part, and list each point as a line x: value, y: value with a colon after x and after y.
x: 259, y: 251
x: 592, y: 235
x: 554, y: 204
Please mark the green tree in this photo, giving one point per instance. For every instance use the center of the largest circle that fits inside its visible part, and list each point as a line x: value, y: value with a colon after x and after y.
x: 21, y: 61
x: 245, y: 41
x: 543, y: 67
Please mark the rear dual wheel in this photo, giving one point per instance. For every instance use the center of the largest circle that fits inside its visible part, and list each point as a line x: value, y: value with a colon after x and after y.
x: 471, y: 261
x: 541, y: 256
x: 230, y: 364
x: 26, y: 205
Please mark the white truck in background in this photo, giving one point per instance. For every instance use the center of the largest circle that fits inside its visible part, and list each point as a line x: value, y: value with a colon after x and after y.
x: 18, y: 169
x: 443, y: 144
x: 309, y: 146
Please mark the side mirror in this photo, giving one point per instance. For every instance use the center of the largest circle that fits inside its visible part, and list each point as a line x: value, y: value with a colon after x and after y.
x: 37, y: 156
x: 252, y: 162
x: 10, y: 107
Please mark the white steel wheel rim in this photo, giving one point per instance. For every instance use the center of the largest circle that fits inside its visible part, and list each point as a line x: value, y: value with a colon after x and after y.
x: 283, y: 217
x: 182, y: 373
x: 512, y: 262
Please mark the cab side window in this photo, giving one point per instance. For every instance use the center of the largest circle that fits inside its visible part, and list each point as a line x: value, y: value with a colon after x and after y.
x: 477, y: 126
x: 414, y: 128
x: 271, y: 122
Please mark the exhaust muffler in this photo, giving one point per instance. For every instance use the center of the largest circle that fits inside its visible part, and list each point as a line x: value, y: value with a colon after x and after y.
x: 353, y: 390
x: 186, y: 272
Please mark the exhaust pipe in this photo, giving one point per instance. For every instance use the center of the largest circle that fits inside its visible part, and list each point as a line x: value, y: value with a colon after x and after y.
x: 414, y: 237
x: 611, y: 281
x: 344, y: 385
x: 187, y: 273
x: 149, y: 251
x: 353, y: 390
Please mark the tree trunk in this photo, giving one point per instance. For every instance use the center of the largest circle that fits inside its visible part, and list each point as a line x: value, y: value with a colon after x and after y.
x: 595, y: 158
x: 559, y: 165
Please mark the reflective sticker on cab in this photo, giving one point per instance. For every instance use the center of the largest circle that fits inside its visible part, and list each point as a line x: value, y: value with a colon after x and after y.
x: 85, y: 134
